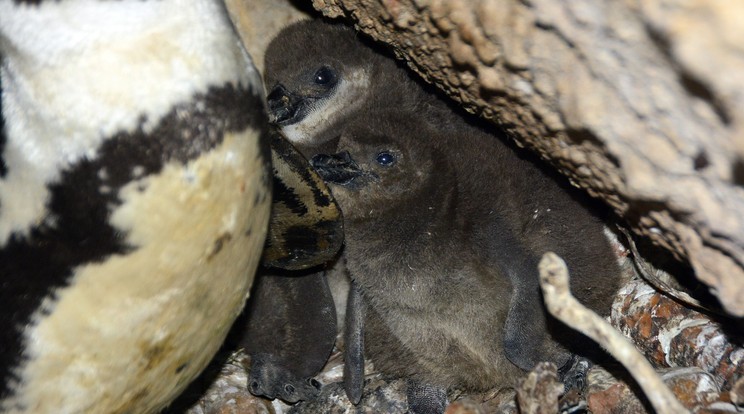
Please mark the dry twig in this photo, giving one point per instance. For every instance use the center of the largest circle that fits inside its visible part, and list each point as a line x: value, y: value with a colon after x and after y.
x: 650, y: 276
x: 562, y: 305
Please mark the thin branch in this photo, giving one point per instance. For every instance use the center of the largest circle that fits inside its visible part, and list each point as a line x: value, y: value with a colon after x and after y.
x: 648, y: 274
x: 562, y: 305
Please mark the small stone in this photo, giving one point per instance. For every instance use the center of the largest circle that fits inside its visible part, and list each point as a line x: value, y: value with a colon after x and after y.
x: 464, y: 406
x: 737, y: 392
x: 539, y: 392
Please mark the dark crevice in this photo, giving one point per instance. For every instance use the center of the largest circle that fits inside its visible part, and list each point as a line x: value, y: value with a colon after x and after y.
x: 701, y: 162
x: 580, y: 136
x: 306, y: 7
x: 737, y: 172
x: 700, y: 90
x: 29, y: 2
x: 3, y: 134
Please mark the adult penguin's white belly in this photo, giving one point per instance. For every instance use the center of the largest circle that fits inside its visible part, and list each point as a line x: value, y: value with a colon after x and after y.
x: 133, y: 199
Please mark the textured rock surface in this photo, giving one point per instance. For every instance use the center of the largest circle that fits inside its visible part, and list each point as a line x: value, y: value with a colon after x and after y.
x: 694, y: 388
x: 670, y: 335
x: 228, y: 393
x: 539, y: 392
x: 257, y: 22
x: 639, y: 102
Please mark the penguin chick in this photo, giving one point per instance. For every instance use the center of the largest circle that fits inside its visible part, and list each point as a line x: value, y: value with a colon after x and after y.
x: 443, y: 236
x: 319, y: 75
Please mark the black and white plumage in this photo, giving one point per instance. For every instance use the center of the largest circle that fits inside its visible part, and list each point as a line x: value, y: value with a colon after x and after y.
x: 134, y: 199
x: 444, y: 232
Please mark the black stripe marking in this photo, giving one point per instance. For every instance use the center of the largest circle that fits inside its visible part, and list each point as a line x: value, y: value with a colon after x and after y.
x: 288, y: 154
x: 78, y: 230
x: 287, y: 196
x: 3, y: 136
x: 32, y: 2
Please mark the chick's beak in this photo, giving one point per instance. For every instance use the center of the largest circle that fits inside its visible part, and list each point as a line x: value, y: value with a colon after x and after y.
x: 337, y: 168
x: 284, y: 105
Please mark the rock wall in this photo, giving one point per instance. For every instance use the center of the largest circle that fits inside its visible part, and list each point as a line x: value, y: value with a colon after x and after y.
x: 257, y: 22
x: 641, y: 103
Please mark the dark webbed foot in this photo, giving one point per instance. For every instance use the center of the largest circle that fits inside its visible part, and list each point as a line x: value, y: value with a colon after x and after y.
x: 269, y: 378
x: 574, y: 374
x: 425, y: 399
x: 301, y: 390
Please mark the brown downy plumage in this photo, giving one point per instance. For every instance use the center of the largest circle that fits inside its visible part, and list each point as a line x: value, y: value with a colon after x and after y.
x: 443, y: 235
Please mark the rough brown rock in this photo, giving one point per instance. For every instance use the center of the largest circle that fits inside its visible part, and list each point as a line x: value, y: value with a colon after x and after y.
x: 494, y: 402
x: 539, y: 392
x: 257, y: 22
x: 226, y: 392
x: 639, y: 102
x: 694, y: 388
x: 670, y: 335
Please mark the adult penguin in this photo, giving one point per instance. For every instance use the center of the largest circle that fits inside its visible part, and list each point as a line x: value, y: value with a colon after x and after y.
x: 134, y: 199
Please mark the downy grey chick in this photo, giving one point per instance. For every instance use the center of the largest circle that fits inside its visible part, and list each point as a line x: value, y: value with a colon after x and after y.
x: 444, y: 232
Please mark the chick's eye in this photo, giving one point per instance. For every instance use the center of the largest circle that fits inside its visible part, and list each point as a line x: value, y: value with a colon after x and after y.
x: 385, y: 159
x: 324, y: 76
